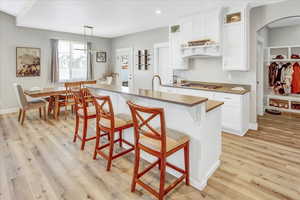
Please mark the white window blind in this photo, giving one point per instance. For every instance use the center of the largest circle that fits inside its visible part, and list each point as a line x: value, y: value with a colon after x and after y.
x: 72, y: 61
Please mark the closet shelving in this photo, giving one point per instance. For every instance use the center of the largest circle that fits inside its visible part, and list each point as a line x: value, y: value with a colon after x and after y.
x: 283, y: 103
x: 289, y: 103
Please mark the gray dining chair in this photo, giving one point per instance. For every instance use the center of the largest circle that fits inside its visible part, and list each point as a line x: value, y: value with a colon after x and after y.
x: 25, y: 105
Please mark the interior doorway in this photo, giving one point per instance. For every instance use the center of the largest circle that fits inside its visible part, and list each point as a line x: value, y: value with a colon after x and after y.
x: 125, y: 67
x: 161, y: 63
x: 278, y: 66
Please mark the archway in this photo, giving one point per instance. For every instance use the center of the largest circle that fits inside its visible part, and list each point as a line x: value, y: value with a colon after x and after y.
x: 276, y: 37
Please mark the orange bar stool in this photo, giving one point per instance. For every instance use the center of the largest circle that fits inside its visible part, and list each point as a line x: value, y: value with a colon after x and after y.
x: 84, y: 112
x: 107, y: 124
x: 159, y: 142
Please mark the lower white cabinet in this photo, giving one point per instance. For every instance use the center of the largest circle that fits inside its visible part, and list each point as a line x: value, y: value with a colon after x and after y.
x: 235, y: 111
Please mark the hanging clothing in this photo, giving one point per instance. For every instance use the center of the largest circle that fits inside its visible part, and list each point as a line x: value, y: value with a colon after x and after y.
x: 272, y: 73
x: 296, y: 79
x: 283, y: 72
x: 288, y: 75
x: 278, y: 73
x: 288, y: 78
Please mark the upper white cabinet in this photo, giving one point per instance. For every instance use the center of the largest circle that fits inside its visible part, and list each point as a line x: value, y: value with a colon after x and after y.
x: 236, y: 39
x: 204, y: 25
x: 228, y: 28
x: 175, y: 41
x: 199, y: 26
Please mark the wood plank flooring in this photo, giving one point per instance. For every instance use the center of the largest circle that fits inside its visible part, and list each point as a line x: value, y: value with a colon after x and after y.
x: 40, y: 161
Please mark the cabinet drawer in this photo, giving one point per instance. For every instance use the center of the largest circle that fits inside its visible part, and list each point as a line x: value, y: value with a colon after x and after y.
x: 230, y: 99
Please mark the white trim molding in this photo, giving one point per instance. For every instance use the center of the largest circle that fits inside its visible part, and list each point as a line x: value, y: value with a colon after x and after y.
x: 253, y: 126
x: 8, y: 110
x: 155, y: 56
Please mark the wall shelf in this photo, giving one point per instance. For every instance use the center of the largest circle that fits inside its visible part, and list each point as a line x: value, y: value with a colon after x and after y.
x: 203, y: 51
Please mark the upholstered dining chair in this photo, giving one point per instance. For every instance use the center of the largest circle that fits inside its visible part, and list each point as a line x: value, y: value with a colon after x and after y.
x: 25, y: 105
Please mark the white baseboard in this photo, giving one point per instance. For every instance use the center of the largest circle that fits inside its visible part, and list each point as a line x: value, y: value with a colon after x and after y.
x: 201, y: 185
x: 234, y: 132
x: 8, y: 110
x: 253, y: 126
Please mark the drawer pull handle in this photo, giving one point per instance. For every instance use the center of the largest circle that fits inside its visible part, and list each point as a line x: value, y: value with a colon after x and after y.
x: 227, y: 98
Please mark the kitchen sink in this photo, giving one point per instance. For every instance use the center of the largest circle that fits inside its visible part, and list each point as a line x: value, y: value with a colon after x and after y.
x: 201, y: 85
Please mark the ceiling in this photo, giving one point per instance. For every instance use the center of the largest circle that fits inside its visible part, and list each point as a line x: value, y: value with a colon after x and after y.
x: 290, y: 21
x: 111, y: 18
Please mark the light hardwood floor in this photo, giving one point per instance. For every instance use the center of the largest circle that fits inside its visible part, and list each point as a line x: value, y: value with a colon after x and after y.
x: 40, y: 161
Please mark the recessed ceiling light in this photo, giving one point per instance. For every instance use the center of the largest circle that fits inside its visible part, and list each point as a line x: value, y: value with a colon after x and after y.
x: 158, y: 11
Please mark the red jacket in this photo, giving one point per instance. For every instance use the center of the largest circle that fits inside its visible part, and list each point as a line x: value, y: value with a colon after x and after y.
x: 296, y: 79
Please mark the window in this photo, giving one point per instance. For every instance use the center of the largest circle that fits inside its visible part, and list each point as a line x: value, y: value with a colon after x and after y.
x: 72, y: 61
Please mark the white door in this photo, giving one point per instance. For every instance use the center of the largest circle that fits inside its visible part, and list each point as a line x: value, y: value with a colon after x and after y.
x: 260, y: 75
x: 124, y: 66
x: 161, y: 64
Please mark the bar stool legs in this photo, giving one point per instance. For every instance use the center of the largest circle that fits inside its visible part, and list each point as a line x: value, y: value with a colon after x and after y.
x: 111, y: 142
x: 187, y: 163
x: 162, y: 164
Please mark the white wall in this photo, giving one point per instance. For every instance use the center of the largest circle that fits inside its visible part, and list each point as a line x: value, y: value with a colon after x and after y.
x: 141, y: 40
x: 12, y: 37
x: 285, y: 36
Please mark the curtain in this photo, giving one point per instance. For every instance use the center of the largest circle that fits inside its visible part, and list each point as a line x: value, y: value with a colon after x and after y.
x: 54, y: 61
x: 90, y: 71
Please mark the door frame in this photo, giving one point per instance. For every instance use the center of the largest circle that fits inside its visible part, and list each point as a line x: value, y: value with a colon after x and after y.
x: 260, y: 76
x: 156, y: 47
x: 130, y: 63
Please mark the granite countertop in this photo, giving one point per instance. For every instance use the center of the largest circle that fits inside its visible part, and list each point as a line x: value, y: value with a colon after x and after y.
x: 222, y: 87
x: 185, y: 100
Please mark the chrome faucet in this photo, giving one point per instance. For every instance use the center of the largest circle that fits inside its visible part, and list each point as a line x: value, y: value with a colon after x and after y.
x: 155, y: 76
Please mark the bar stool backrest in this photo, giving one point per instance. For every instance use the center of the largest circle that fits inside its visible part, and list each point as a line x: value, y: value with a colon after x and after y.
x: 104, y: 110
x: 70, y: 88
x: 142, y: 118
x: 80, y: 100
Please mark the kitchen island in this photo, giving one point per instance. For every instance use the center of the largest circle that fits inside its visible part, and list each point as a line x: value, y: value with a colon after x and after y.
x: 197, y: 117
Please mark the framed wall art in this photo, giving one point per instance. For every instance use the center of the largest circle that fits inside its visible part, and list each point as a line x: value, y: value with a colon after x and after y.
x: 28, y: 62
x: 101, y: 56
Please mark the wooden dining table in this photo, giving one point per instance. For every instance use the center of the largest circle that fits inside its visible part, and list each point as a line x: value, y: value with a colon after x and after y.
x: 54, y: 92
x: 48, y: 92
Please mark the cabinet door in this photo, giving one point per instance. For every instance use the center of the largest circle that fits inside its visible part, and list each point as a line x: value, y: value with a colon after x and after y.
x: 176, y: 60
x: 198, y: 27
x: 231, y: 118
x: 233, y: 55
x: 212, y: 26
x: 187, y: 29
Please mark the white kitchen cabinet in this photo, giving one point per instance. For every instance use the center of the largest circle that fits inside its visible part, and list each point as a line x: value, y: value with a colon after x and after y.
x: 213, y: 25
x: 199, y: 26
x: 236, y: 39
x: 175, y: 42
x: 187, y: 33
x: 204, y: 25
x: 235, y: 111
